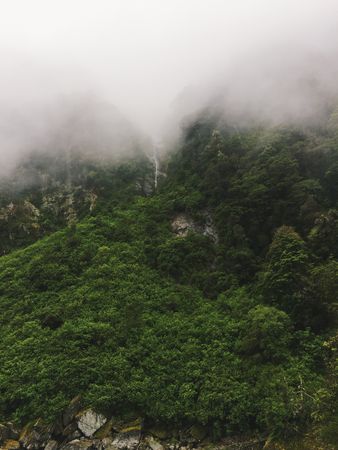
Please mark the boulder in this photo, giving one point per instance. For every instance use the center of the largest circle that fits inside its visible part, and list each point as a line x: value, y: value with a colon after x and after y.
x: 10, y: 444
x: 57, y: 427
x: 80, y: 444
x: 4, y: 433
x: 71, y: 432
x: 89, y: 422
x: 107, y: 444
x: 127, y: 425
x: 35, y: 435
x: 8, y: 432
x: 105, y: 431
x: 182, y: 225
x: 153, y: 444
x: 72, y: 409
x: 51, y: 445
x: 210, y: 229
x: 127, y: 440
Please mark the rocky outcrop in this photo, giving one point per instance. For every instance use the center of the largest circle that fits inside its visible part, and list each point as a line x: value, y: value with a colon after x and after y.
x: 153, y: 444
x: 76, y: 429
x: 89, y: 422
x: 51, y: 445
x: 80, y: 444
x: 35, y: 435
x: 183, y: 224
x: 117, y: 434
x: 72, y: 409
x: 128, y: 440
x: 9, y: 436
x: 87, y: 429
x: 8, y: 432
x: 10, y: 444
x: 18, y: 219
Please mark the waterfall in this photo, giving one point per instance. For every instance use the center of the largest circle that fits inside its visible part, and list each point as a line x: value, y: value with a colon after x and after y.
x: 156, y: 166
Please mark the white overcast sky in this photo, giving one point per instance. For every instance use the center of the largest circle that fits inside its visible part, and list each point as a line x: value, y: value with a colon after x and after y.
x: 140, y: 54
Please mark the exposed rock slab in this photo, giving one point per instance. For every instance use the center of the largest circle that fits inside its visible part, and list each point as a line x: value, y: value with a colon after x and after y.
x: 89, y: 422
x: 183, y: 224
x: 128, y: 440
x: 35, y: 435
x: 10, y: 444
x: 51, y: 445
x: 71, y: 432
x: 153, y: 444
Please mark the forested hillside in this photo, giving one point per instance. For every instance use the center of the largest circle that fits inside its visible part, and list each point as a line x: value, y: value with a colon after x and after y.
x: 210, y: 301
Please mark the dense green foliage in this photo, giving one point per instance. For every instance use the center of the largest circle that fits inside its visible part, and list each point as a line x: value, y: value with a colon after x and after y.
x: 235, y: 332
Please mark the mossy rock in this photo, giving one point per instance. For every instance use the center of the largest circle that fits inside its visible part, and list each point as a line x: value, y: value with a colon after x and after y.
x: 126, y: 426
x: 160, y: 432
x: 72, y: 409
x: 35, y: 434
x: 105, y: 431
x: 10, y: 444
x: 27, y: 429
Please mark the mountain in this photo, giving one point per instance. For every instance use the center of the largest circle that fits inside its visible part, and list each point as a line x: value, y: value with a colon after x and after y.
x: 84, y: 151
x: 207, y: 303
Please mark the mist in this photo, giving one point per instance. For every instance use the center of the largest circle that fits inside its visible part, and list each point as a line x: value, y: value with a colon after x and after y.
x: 151, y: 63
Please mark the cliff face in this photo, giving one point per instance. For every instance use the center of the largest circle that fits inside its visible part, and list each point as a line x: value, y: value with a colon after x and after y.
x: 48, y: 192
x: 83, y: 151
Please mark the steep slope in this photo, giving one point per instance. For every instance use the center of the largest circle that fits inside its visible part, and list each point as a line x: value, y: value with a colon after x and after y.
x: 85, y: 153
x: 209, y: 302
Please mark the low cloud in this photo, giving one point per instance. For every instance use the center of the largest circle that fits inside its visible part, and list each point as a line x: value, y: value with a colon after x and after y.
x: 155, y: 62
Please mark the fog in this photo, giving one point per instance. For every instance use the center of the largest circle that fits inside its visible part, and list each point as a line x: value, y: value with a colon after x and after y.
x: 157, y: 61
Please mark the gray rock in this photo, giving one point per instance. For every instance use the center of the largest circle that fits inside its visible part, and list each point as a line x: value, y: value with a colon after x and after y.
x: 105, y: 431
x: 182, y: 224
x: 172, y: 446
x: 80, y: 444
x: 90, y: 421
x: 35, y: 435
x: 13, y: 431
x: 128, y: 440
x: 8, y: 431
x: 71, y: 432
x: 51, y: 445
x: 10, y: 444
x: 107, y: 444
x: 4, y: 433
x: 210, y: 229
x: 153, y: 444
